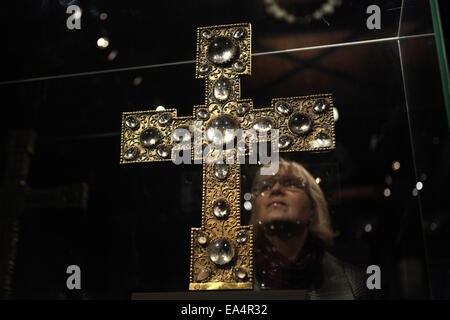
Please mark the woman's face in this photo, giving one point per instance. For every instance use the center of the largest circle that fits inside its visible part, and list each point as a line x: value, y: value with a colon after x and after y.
x: 282, y: 198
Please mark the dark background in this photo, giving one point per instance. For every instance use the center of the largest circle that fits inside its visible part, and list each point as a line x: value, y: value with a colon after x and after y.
x: 132, y: 233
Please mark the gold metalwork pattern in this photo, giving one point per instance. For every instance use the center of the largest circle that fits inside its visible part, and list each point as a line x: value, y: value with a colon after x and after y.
x: 305, y: 123
x: 228, y: 228
x: 228, y: 31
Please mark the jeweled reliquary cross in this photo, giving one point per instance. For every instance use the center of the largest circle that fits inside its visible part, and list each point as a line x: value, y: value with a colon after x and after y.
x: 222, y: 249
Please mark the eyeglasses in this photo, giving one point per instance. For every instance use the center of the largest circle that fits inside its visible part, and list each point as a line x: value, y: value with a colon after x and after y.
x: 289, y: 183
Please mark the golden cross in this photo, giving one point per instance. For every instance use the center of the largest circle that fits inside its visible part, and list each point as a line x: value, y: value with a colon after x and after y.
x: 222, y: 249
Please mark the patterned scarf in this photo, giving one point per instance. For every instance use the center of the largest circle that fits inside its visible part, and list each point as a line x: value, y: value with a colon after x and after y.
x: 276, y: 271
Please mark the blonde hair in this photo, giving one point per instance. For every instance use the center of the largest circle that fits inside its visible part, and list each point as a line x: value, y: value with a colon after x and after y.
x: 320, y: 225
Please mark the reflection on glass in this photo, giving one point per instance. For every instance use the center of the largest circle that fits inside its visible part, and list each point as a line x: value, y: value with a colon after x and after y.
x: 102, y: 42
x: 293, y: 234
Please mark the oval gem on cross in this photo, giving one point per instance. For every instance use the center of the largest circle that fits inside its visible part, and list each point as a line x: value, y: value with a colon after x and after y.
x: 239, y: 33
x: 242, y: 109
x: 203, y: 274
x: 131, y: 154
x: 323, y: 140
x: 163, y: 151
x: 283, y: 107
x: 284, y: 142
x: 203, y: 114
x: 240, y: 274
x: 222, y: 89
x: 132, y: 122
x: 221, y: 171
x: 241, y: 237
x: 320, y: 105
x: 165, y: 119
x: 263, y: 125
x: 221, y: 209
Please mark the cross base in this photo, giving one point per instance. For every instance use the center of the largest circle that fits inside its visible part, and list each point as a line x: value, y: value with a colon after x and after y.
x: 221, y: 286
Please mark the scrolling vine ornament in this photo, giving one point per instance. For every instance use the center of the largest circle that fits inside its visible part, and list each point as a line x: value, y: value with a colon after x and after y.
x: 222, y: 249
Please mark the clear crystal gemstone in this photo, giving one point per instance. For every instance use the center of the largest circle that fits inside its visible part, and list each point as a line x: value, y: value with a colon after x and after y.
x: 181, y: 134
x: 240, y: 274
x: 203, y: 114
x: 131, y: 154
x: 241, y: 237
x: 283, y: 108
x: 222, y: 89
x: 222, y: 50
x: 202, y: 238
x: 221, y: 209
x: 242, y: 109
x: 150, y: 137
x: 203, y: 274
x: 323, y: 140
x: 284, y: 142
x: 204, y: 68
x: 262, y: 125
x: 221, y: 129
x: 221, y: 251
x: 239, y: 33
x: 221, y: 171
x: 320, y: 106
x: 300, y: 123
x: 164, y: 119
x: 206, y: 34
x: 163, y: 151
x: 132, y: 122
x: 238, y: 66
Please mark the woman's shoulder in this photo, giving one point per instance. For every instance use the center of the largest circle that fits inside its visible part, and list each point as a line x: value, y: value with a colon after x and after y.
x: 344, y: 276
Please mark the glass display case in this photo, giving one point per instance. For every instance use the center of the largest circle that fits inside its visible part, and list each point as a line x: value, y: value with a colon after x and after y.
x: 67, y: 200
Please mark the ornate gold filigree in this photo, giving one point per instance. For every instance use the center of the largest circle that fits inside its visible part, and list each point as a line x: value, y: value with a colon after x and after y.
x: 228, y: 228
